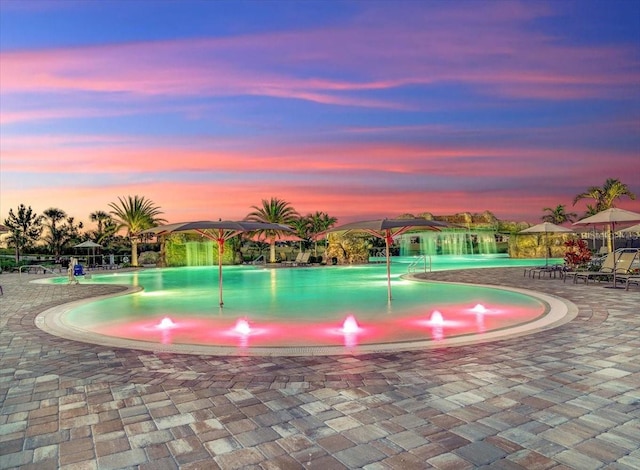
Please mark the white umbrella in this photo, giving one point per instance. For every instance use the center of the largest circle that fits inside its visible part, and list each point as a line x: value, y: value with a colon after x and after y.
x: 218, y: 231
x: 633, y: 229
x: 610, y: 217
x: 387, y: 229
x: 546, y: 227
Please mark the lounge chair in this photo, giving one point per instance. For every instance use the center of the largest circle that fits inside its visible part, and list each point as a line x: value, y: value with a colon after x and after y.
x: 294, y: 262
x: 629, y: 279
x: 304, y: 259
x: 608, y: 262
x: 551, y: 269
x: 631, y: 276
x: 622, y: 266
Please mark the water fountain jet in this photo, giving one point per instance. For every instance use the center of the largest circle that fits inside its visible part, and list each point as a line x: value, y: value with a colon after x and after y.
x: 242, y: 327
x: 350, y: 325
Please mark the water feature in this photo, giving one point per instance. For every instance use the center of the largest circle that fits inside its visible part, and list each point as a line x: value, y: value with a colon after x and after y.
x: 329, y: 307
x: 448, y: 243
x: 200, y: 253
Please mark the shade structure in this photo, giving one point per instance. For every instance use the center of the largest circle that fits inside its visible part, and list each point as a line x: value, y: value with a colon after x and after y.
x: 609, y: 218
x: 546, y: 227
x: 387, y: 229
x: 218, y: 231
x: 90, y: 246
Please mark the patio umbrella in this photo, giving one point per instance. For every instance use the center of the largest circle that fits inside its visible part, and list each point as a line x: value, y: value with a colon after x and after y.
x: 90, y: 246
x: 546, y: 227
x: 218, y: 231
x: 610, y: 217
x: 387, y: 229
x: 633, y: 229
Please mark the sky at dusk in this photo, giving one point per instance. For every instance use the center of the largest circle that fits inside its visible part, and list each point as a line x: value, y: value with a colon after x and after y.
x: 361, y: 109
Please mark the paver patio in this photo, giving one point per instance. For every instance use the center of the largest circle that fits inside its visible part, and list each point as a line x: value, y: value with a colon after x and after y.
x: 563, y: 398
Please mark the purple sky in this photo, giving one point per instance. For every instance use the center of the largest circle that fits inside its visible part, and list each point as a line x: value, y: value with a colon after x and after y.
x: 361, y: 109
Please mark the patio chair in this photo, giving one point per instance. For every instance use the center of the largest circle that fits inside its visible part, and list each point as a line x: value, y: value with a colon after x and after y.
x: 608, y: 262
x: 631, y: 276
x: 304, y: 259
x: 553, y: 270
x: 625, y: 259
x: 294, y: 262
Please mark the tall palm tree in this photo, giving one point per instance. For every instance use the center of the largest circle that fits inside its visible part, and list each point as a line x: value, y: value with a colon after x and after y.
x: 301, y: 226
x: 56, y: 236
x: 319, y: 221
x: 558, y: 215
x: 106, y: 227
x: 135, y: 214
x: 273, y: 211
x: 100, y: 217
x: 605, y: 196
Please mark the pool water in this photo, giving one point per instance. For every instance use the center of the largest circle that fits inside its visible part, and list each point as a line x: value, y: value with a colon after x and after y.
x: 302, y: 307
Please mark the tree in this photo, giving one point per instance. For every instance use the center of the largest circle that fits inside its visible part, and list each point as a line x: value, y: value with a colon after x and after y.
x: 25, y: 229
x: 605, y: 196
x: 301, y: 226
x: 100, y: 217
x: 135, y: 214
x: 60, y: 235
x: 273, y: 211
x: 320, y: 221
x: 107, y: 227
x: 558, y: 215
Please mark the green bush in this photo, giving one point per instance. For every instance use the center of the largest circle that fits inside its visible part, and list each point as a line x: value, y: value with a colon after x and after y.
x: 148, y: 257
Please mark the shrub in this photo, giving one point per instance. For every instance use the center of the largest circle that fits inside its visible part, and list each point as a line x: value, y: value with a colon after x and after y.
x: 148, y: 257
x: 577, y: 253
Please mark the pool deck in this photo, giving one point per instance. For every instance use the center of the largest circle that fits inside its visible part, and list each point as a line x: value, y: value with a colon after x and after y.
x: 562, y: 398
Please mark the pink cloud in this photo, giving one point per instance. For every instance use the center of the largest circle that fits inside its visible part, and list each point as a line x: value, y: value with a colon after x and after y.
x: 508, y: 60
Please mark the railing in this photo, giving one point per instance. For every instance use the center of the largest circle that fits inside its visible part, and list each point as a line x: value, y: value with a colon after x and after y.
x: 422, y: 259
x: 259, y: 260
x: 29, y: 267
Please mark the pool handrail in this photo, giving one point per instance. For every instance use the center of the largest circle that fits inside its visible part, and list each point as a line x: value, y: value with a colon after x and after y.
x: 36, y: 267
x: 422, y: 258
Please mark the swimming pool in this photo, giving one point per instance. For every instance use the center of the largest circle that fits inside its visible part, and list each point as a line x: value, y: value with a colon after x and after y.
x: 314, y: 310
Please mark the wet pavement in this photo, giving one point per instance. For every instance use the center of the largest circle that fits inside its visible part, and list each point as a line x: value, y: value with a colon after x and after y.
x: 562, y: 398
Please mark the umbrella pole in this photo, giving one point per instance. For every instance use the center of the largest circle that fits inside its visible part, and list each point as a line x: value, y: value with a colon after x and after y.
x: 386, y: 241
x: 546, y: 249
x: 220, y: 251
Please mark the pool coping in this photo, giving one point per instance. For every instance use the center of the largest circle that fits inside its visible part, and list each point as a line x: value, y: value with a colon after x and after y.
x: 560, y: 311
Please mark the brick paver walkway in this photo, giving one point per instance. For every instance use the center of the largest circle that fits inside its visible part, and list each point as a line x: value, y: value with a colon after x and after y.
x: 564, y: 398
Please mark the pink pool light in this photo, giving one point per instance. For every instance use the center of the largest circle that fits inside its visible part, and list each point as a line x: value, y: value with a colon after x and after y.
x: 436, y: 318
x: 350, y: 325
x: 479, y: 308
x: 242, y: 327
x: 166, y: 324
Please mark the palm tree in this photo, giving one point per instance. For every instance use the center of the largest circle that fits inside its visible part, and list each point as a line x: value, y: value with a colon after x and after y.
x: 606, y: 196
x: 320, y: 221
x: 106, y: 227
x: 55, y: 237
x: 100, y: 217
x: 301, y: 226
x: 25, y: 229
x: 558, y: 215
x: 273, y: 211
x: 135, y: 214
